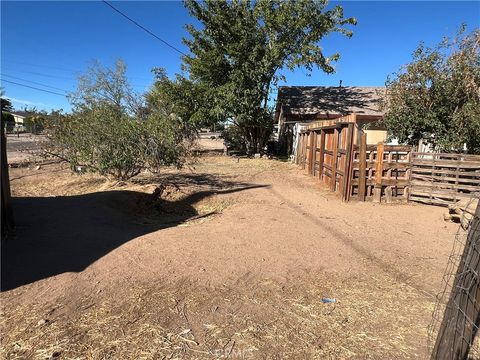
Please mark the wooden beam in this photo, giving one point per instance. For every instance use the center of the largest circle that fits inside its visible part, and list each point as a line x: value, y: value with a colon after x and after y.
x: 347, y: 173
x: 310, y: 153
x: 333, y: 179
x: 322, y: 153
x: 378, y: 173
x: 362, y: 173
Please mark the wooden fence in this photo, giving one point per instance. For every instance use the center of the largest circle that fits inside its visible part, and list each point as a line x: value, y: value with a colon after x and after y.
x: 326, y: 154
x: 380, y: 171
x: 442, y: 179
x: 384, y: 172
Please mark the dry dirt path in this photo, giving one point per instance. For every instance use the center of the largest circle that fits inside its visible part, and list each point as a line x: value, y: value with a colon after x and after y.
x: 244, y: 282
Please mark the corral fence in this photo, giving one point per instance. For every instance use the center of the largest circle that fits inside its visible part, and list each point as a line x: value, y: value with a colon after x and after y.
x: 338, y: 155
x: 326, y: 154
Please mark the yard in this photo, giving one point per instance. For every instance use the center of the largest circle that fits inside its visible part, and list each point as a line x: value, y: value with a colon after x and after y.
x: 231, y: 262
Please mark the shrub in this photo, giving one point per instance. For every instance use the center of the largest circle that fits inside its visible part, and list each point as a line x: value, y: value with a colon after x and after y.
x: 106, y: 133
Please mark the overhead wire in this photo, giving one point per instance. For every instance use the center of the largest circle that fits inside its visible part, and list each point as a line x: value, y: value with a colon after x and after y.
x: 33, y: 87
x: 143, y: 28
x: 32, y: 82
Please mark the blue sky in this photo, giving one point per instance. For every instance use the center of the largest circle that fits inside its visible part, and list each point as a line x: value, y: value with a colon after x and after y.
x: 50, y: 43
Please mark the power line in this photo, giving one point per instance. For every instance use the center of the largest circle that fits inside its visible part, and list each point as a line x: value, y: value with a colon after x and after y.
x: 32, y: 82
x: 59, y: 68
x: 40, y: 66
x: 32, y: 87
x: 143, y: 28
x: 45, y: 75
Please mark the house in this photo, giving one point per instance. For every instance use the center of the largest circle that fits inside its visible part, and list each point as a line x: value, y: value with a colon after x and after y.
x: 298, y: 106
x: 20, y: 117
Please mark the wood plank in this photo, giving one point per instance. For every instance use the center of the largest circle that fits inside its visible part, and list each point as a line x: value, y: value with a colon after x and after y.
x: 322, y: 153
x: 417, y: 169
x: 446, y: 178
x: 447, y: 163
x: 467, y: 157
x: 335, y: 159
x: 385, y: 182
x: 390, y: 165
x: 310, y: 153
x: 427, y: 200
x: 362, y: 174
x: 379, y: 173
x: 348, y: 167
x: 440, y: 193
x: 441, y: 185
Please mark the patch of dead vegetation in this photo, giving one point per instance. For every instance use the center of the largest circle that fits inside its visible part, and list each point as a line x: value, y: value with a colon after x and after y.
x: 266, y: 319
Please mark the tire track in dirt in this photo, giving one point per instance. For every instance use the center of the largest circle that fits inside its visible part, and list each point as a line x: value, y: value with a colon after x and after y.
x: 351, y: 243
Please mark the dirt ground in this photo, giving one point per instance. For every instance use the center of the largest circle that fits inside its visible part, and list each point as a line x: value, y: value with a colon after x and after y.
x: 232, y: 261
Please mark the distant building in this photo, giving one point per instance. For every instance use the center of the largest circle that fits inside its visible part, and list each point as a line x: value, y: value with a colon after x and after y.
x: 20, y: 117
x: 301, y: 105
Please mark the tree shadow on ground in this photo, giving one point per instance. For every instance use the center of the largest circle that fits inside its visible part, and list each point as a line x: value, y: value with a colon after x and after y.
x: 62, y: 234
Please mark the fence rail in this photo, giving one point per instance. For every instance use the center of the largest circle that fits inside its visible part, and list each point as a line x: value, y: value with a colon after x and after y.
x: 385, y: 172
x: 380, y: 171
x: 442, y: 179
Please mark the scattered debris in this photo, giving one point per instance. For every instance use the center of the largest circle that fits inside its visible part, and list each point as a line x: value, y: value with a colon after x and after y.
x: 329, y: 300
x: 42, y: 322
x: 461, y: 212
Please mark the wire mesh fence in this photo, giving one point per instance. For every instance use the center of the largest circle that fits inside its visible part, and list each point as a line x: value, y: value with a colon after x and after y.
x: 456, y: 317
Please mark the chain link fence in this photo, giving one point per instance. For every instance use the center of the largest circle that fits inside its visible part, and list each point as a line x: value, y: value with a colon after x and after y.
x: 456, y: 317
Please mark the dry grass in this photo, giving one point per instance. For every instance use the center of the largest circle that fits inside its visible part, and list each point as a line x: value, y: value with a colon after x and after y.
x: 266, y: 320
x: 372, y: 318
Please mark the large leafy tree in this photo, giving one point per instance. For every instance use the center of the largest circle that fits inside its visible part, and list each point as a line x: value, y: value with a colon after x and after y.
x: 180, y: 99
x: 239, y: 50
x: 436, y: 97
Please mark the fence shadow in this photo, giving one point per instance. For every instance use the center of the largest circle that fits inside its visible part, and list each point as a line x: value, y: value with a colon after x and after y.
x: 68, y: 233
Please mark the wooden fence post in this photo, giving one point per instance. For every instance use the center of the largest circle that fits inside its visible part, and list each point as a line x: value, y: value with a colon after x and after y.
x: 462, y: 313
x: 333, y: 179
x: 377, y: 195
x: 310, y: 161
x: 347, y: 171
x: 362, y: 170
x: 322, y: 153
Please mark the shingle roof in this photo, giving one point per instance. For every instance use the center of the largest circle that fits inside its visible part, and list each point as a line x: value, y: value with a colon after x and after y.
x: 310, y: 100
x: 20, y: 113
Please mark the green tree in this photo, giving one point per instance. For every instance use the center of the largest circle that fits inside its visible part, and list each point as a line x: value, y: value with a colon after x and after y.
x: 6, y: 103
x: 7, y: 119
x: 239, y: 50
x: 109, y: 133
x: 180, y: 99
x: 436, y: 97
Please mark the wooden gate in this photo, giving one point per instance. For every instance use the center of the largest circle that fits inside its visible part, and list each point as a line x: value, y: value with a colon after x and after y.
x: 380, y: 171
x: 326, y: 153
x: 443, y: 179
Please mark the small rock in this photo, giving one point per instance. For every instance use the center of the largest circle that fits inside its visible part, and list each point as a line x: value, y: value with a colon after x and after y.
x: 42, y: 322
x: 257, y: 156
